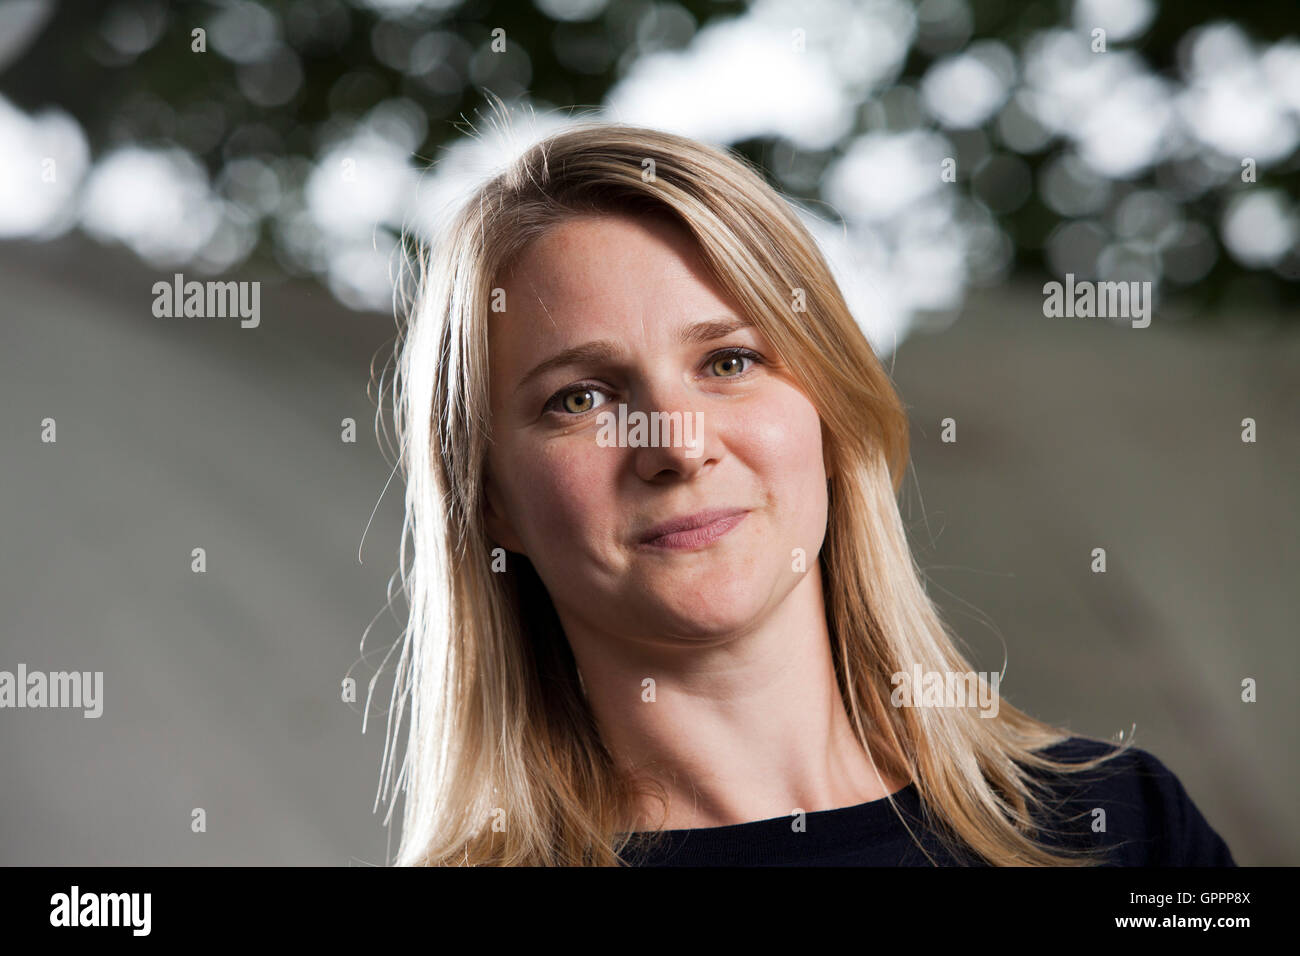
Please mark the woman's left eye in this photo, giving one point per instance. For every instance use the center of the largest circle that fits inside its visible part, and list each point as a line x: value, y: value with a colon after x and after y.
x: 734, y: 356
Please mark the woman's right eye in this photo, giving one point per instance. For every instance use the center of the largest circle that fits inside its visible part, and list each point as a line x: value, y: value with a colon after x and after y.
x: 575, y: 401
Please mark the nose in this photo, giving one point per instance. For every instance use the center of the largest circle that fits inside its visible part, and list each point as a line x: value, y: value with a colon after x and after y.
x: 675, y: 439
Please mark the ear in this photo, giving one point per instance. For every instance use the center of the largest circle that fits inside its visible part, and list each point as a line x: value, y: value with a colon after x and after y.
x: 496, y: 519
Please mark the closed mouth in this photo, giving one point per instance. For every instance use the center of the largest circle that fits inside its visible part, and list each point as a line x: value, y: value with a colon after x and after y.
x: 694, y: 530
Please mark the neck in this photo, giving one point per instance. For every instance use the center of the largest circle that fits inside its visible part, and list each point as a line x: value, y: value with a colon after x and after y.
x: 744, y: 727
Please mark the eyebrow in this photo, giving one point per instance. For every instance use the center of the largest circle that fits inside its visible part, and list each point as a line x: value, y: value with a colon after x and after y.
x: 603, y: 350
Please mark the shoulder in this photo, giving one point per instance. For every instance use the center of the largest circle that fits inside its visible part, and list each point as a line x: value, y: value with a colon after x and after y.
x: 1133, y: 806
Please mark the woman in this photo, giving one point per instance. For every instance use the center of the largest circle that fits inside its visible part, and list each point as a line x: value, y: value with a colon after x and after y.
x: 691, y: 642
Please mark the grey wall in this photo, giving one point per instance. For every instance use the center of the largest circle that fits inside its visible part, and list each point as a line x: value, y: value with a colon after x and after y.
x: 1074, y: 434
x: 222, y: 689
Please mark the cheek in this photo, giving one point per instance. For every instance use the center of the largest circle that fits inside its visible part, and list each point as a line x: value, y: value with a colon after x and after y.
x: 781, y: 443
x: 782, y: 437
x: 562, y: 492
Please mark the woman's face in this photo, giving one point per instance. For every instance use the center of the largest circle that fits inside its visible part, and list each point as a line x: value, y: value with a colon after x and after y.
x: 565, y: 490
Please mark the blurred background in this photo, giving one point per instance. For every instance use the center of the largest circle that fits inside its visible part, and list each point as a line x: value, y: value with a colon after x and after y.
x: 950, y: 156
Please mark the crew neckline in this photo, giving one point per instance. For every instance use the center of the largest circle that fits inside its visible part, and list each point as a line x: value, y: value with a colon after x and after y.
x: 1159, y: 825
x: 872, y: 818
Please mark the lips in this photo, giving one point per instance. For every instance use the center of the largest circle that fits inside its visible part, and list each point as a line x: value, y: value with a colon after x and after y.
x: 692, y: 522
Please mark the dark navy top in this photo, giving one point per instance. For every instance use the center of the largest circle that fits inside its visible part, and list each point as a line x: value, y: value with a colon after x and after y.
x: 1149, y: 821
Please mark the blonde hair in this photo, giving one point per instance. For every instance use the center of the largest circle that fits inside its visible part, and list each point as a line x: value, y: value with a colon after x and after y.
x: 500, y: 731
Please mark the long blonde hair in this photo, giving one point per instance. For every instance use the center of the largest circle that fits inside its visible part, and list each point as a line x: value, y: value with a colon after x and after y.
x: 503, y: 763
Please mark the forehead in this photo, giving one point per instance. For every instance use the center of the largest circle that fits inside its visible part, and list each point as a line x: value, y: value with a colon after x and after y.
x: 609, y: 261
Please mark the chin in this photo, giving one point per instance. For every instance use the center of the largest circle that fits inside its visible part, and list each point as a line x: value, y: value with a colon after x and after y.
x: 711, y: 577
x: 704, y: 627
x: 698, y: 608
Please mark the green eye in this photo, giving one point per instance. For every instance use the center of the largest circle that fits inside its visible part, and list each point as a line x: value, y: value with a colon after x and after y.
x: 584, y: 398
x: 736, y: 364
x: 736, y: 357
x: 575, y: 401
